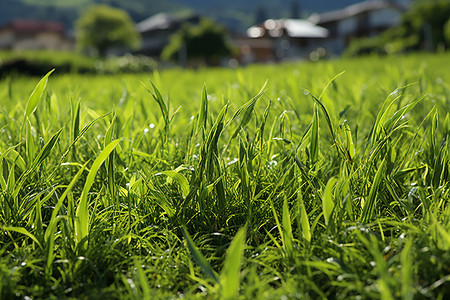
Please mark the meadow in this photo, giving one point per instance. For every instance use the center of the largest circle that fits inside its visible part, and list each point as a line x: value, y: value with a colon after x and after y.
x: 324, y: 180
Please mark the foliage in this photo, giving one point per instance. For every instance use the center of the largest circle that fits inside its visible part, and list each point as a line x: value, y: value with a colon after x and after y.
x: 207, y: 41
x: 103, y: 28
x: 240, y: 184
x: 36, y: 63
x: 447, y: 31
x: 422, y: 28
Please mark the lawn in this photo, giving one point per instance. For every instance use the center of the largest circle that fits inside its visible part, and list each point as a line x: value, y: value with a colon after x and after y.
x: 305, y: 180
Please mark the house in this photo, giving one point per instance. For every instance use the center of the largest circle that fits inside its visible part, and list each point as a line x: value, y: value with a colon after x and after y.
x: 282, y: 39
x: 364, y: 19
x: 156, y: 31
x: 33, y: 35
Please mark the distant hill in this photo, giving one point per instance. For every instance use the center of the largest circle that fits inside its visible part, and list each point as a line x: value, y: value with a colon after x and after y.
x: 236, y: 14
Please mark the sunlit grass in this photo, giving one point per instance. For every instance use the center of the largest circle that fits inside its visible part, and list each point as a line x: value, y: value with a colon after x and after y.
x: 299, y: 180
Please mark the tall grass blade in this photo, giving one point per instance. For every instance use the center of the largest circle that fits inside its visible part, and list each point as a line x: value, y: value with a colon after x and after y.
x: 199, y: 258
x: 49, y: 235
x: 304, y: 221
x: 81, y: 133
x: 43, y: 154
x: 23, y: 231
x: 327, y: 200
x: 370, y: 203
x: 75, y: 121
x: 287, y: 229
x: 82, y: 212
x: 159, y: 99
x: 247, y: 110
x: 36, y: 95
x: 29, y: 142
x: 110, y: 166
x: 314, y: 143
x: 407, y: 271
x: 178, y: 177
x: 351, y: 151
x: 203, y: 114
x: 230, y: 274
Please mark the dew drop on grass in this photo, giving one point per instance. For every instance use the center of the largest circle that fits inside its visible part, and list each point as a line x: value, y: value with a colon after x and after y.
x: 151, y: 125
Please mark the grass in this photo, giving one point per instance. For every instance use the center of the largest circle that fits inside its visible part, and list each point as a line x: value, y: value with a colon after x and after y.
x: 295, y: 181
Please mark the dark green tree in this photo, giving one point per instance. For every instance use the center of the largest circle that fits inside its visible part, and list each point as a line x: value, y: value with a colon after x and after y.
x: 206, y: 42
x: 422, y: 28
x: 103, y: 27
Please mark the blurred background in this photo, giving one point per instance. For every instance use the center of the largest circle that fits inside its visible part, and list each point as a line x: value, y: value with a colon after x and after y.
x: 137, y: 35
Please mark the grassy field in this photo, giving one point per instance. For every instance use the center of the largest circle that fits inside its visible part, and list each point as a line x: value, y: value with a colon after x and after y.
x: 325, y: 180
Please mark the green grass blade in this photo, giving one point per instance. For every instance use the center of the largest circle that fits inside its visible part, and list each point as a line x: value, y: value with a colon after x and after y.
x: 287, y: 229
x: 247, y: 110
x: 370, y: 203
x: 230, y: 274
x: 81, y: 133
x: 76, y: 121
x: 43, y: 154
x: 178, y: 177
x: 351, y: 151
x: 327, y: 200
x: 314, y: 143
x: 51, y: 228
x: 36, y: 95
x: 110, y: 166
x: 46, y: 150
x: 327, y: 116
x: 199, y: 258
x: 159, y: 99
x: 82, y: 212
x: 29, y: 143
x: 23, y: 231
x: 203, y: 114
x: 304, y: 221
x: 407, y: 271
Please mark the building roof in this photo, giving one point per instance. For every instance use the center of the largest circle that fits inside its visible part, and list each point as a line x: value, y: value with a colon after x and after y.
x: 34, y: 26
x: 354, y: 10
x: 162, y: 21
x: 294, y: 28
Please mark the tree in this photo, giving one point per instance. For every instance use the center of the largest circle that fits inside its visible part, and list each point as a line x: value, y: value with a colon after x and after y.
x: 103, y: 27
x: 422, y: 28
x: 206, y: 41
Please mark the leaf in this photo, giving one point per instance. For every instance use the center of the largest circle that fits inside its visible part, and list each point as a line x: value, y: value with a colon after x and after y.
x: 304, y: 222
x: 23, y: 231
x: 81, y: 133
x: 287, y: 229
x: 159, y: 99
x: 230, y: 274
x: 178, y: 177
x: 198, y: 257
x: 36, y: 95
x: 247, y: 110
x: 82, y: 212
x: 29, y: 142
x: 203, y: 114
x: 327, y: 200
x: 43, y: 154
x: 350, y: 146
x: 76, y: 121
x: 369, y: 204
x: 45, y: 151
x: 51, y: 229
x: 314, y: 143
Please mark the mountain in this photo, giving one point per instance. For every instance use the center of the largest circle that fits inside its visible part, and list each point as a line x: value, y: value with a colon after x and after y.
x: 236, y: 14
